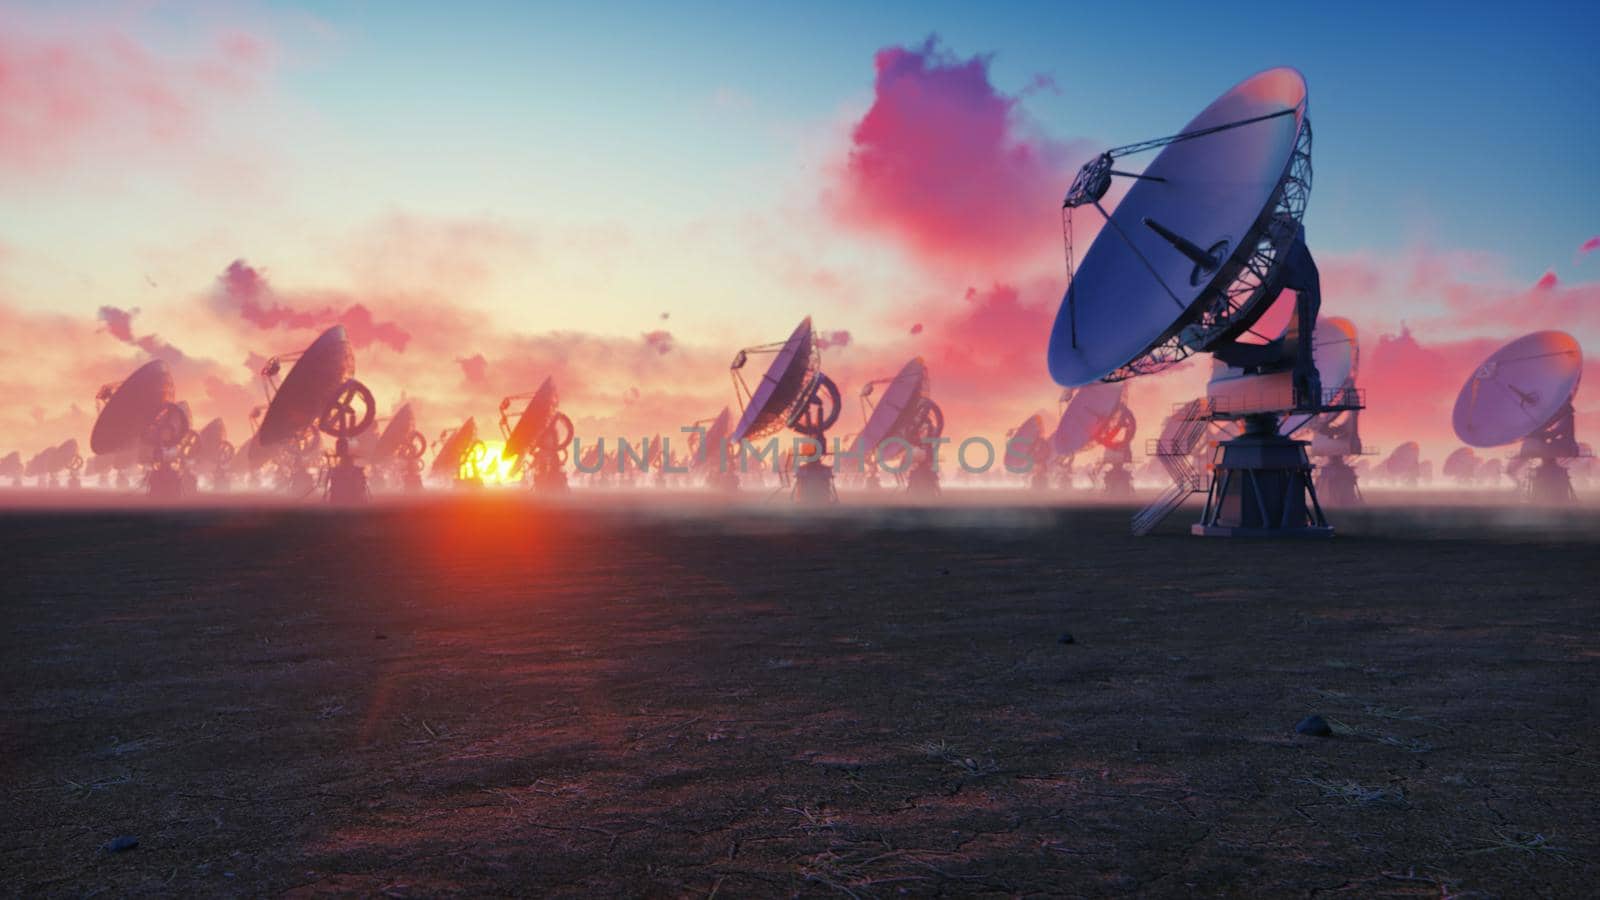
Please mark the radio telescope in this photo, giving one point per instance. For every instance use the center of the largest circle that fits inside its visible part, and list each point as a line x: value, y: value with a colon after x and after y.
x: 11, y: 467
x: 320, y: 394
x: 540, y: 438
x: 141, y: 414
x: 212, y: 451
x: 902, y: 426
x: 1523, y: 392
x: 1403, y: 465
x: 459, y: 455
x: 47, y: 463
x: 1027, y: 450
x: 1462, y: 466
x: 401, y: 446
x: 794, y: 394
x: 709, y: 456
x: 1334, y: 436
x: 1205, y: 240
x: 1095, y: 415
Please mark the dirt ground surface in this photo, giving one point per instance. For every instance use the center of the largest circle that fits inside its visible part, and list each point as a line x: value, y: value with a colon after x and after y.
x: 482, y: 696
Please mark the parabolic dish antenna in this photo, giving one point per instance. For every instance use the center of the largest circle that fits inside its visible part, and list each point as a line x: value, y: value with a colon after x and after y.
x: 320, y: 392
x: 780, y: 390
x: 1189, y: 258
x: 1337, y: 359
x: 901, y: 423
x: 541, y: 432
x: 139, y: 410
x: 1462, y: 465
x: 1205, y: 241
x: 11, y: 467
x: 1086, y: 413
x: 711, y: 452
x: 794, y: 393
x: 1025, y: 442
x: 400, y: 438
x: 709, y: 455
x: 460, y: 454
x: 1524, y: 392
x: 1520, y: 389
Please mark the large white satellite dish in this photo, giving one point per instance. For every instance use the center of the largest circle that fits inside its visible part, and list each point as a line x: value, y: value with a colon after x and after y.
x: 1206, y: 239
x: 1524, y: 392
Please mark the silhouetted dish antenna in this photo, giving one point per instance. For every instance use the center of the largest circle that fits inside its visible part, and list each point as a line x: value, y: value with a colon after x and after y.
x: 459, y: 455
x: 1097, y: 415
x: 1524, y: 392
x: 401, y: 445
x: 541, y: 433
x: 1335, y: 436
x: 212, y: 452
x: 1404, y: 464
x: 710, y: 457
x: 794, y: 393
x: 51, y: 461
x: 1462, y: 466
x: 320, y: 394
x: 142, y: 413
x: 1029, y: 450
x: 1205, y: 240
x: 902, y: 422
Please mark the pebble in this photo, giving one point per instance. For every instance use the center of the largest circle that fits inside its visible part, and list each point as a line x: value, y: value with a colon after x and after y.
x: 1066, y: 638
x: 120, y: 843
x: 1316, y: 726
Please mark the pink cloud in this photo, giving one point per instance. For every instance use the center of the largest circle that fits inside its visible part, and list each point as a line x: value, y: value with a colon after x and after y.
x: 474, y: 368
x: 244, y: 290
x: 91, y: 89
x: 945, y: 164
x: 838, y: 338
x: 917, y: 328
x: 1546, y: 281
x: 119, y: 324
x: 1589, y: 246
x: 659, y: 341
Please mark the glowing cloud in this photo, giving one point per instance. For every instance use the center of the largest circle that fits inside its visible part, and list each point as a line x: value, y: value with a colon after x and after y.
x: 243, y: 290
x: 944, y: 164
x: 96, y: 89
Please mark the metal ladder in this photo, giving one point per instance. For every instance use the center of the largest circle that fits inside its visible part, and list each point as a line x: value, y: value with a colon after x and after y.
x: 1175, y: 448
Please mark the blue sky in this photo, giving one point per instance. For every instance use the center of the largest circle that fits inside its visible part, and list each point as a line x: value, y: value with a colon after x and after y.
x: 1467, y: 125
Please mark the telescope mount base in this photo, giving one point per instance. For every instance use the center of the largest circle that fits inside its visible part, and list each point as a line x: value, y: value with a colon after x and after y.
x: 922, y: 481
x: 1337, y: 484
x: 813, y: 485
x: 1263, y: 487
x: 1549, y: 484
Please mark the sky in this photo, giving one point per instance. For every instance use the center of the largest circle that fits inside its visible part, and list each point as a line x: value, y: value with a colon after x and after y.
x: 621, y: 196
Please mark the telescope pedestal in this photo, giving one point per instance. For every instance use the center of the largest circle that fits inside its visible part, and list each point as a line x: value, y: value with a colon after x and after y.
x: 347, y: 483
x: 813, y: 485
x: 922, y: 481
x: 1119, y: 482
x: 1337, y: 483
x: 1263, y: 488
x: 551, y: 481
x: 1549, y: 483
x: 724, y: 480
x: 164, y: 483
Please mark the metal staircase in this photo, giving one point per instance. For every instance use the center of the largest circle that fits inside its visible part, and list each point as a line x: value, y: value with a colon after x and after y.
x: 1180, y: 435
